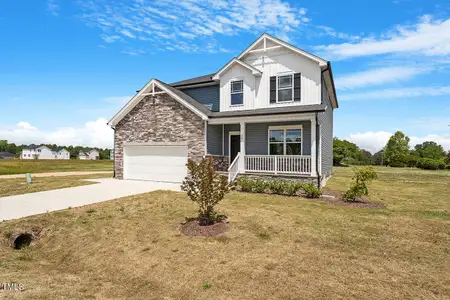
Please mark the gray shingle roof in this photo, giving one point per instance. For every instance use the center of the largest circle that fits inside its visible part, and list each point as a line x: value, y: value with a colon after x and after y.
x: 196, y: 80
x: 269, y: 111
x: 6, y: 154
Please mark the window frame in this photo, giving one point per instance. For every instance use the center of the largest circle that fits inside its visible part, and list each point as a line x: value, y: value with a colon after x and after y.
x: 292, y: 87
x: 284, y: 128
x: 233, y: 93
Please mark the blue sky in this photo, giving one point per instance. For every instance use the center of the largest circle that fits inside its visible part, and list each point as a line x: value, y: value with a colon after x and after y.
x: 67, y: 66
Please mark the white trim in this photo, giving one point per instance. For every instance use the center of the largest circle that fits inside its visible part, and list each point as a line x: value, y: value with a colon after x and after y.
x: 241, y: 92
x: 266, y: 48
x: 165, y: 144
x: 139, y: 96
x: 277, y: 88
x: 320, y: 149
x: 313, y: 147
x: 230, y: 133
x: 255, y: 71
x: 284, y: 128
x: 263, y: 118
x: 320, y: 61
x: 206, y: 137
x: 223, y: 139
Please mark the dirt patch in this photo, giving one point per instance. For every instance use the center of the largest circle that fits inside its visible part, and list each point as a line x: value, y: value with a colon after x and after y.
x: 192, y: 228
x: 23, y: 237
x: 336, y: 199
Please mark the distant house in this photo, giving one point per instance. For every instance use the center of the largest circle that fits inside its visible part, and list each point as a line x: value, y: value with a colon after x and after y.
x: 43, y: 152
x: 88, y: 154
x: 6, y: 155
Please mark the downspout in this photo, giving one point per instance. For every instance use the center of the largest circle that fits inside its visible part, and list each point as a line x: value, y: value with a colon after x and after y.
x: 317, y: 152
x: 114, y: 149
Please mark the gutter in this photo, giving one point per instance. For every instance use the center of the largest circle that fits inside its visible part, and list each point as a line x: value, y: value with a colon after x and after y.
x: 317, y: 152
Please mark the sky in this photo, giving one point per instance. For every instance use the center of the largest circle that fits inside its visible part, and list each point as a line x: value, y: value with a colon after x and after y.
x: 66, y: 67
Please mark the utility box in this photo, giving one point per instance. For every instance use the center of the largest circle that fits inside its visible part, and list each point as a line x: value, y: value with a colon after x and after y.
x: 28, y: 176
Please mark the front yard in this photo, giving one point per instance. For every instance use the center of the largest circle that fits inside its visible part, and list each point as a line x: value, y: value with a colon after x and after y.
x: 277, y: 248
x: 23, y: 166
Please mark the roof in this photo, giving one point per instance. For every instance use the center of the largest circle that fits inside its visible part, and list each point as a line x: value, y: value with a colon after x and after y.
x: 6, y: 154
x: 196, y: 80
x: 32, y: 146
x: 269, y: 111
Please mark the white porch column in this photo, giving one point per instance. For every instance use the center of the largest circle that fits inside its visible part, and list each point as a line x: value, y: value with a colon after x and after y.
x: 242, y: 149
x: 313, y: 147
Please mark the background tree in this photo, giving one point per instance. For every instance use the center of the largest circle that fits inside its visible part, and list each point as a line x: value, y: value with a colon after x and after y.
x: 447, y: 160
x: 343, y: 151
x: 3, y: 145
x: 397, y: 150
x: 430, y: 150
x: 377, y: 158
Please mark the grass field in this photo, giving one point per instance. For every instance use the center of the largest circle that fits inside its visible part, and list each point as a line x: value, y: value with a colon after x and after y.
x: 277, y: 248
x: 42, y: 166
x: 18, y: 186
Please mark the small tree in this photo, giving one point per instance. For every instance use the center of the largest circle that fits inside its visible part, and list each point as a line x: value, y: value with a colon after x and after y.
x: 397, y: 149
x: 205, y: 187
x: 361, y: 177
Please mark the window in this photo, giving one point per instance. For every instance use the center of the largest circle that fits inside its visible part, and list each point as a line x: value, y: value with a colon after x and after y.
x: 285, y: 141
x: 237, y: 92
x: 285, y: 88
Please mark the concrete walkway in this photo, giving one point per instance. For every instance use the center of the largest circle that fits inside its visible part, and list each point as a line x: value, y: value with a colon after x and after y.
x: 55, y: 174
x: 19, y: 206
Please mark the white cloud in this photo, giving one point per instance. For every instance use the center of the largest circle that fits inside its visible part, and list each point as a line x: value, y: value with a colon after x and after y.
x: 326, y: 30
x: 428, y: 37
x: 93, y: 134
x: 408, y: 92
x: 375, y: 141
x: 52, y: 7
x: 377, y: 76
x: 187, y: 25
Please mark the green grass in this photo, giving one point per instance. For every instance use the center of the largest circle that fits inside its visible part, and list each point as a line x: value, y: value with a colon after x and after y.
x: 18, y: 186
x: 277, y: 248
x: 42, y: 166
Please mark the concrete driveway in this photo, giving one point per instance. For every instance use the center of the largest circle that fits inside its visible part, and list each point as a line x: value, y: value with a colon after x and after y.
x: 14, y: 207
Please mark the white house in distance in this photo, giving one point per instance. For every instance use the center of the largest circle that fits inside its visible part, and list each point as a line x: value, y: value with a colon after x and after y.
x: 89, y: 154
x: 44, y: 152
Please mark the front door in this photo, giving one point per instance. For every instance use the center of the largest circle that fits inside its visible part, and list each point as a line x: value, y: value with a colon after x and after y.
x: 235, y: 146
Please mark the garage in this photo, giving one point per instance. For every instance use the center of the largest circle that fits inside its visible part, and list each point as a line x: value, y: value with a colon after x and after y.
x: 165, y: 163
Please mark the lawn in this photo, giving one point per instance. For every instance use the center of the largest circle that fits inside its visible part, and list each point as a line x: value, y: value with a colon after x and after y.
x: 18, y: 186
x: 277, y: 248
x: 42, y: 166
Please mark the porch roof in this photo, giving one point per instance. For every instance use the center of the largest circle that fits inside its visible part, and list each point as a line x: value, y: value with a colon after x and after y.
x: 269, y: 111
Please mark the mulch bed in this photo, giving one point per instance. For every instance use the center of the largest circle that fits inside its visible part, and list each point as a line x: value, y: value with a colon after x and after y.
x: 192, y: 228
x: 337, y: 200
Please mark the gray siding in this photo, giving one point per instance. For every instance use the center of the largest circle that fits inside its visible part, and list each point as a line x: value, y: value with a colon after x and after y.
x: 258, y: 137
x: 326, y: 134
x: 207, y: 95
x: 214, y: 139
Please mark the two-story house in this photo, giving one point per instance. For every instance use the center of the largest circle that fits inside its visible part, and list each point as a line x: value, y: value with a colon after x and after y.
x: 268, y: 111
x: 43, y: 152
x: 89, y: 154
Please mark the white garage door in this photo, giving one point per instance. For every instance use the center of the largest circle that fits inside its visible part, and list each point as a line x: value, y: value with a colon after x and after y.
x: 157, y: 163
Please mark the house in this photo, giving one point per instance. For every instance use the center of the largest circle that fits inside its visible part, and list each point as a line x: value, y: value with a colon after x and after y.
x: 6, y: 155
x: 267, y: 112
x: 88, y: 154
x: 43, y: 152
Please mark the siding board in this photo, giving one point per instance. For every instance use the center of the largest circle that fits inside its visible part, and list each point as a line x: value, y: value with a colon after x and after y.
x: 206, y: 95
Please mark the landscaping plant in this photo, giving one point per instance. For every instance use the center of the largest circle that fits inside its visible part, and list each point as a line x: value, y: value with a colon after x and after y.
x: 311, y: 190
x: 206, y: 187
x: 361, y: 177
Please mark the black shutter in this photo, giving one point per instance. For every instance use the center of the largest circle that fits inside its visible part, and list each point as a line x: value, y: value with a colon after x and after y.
x: 297, y: 86
x: 273, y: 89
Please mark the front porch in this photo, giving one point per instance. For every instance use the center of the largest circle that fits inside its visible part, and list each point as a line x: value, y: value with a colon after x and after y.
x: 281, y: 146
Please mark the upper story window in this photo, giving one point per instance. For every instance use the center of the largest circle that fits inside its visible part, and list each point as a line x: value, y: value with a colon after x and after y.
x: 285, y: 91
x: 237, y: 92
x: 285, y: 88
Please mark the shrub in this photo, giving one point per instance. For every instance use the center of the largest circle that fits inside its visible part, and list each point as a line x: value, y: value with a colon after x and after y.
x: 277, y: 187
x: 311, y: 190
x: 412, y: 160
x: 291, y: 188
x: 431, y: 164
x: 359, y: 188
x: 260, y: 186
x: 205, y: 187
x: 246, y: 184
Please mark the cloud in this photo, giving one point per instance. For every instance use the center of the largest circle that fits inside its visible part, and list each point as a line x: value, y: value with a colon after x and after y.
x: 377, y: 76
x: 93, y: 134
x: 408, y: 92
x: 375, y: 141
x: 187, y: 25
x: 329, y: 31
x: 52, y: 7
x: 428, y: 37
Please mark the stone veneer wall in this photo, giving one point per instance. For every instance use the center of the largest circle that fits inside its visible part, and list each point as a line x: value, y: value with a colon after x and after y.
x: 220, y: 162
x: 271, y: 177
x: 159, y: 119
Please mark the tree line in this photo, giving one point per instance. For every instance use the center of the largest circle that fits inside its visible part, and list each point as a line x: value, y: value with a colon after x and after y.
x: 73, y: 150
x: 397, y: 153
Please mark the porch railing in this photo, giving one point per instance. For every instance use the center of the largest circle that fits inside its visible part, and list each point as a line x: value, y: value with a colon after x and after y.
x: 233, y: 170
x: 278, y: 164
